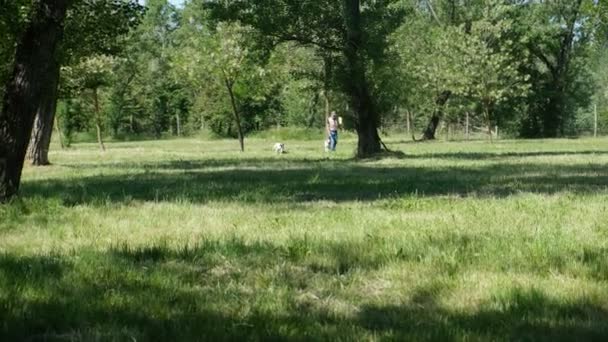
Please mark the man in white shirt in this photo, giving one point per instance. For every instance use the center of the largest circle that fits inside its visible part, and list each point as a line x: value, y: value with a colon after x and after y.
x: 332, y: 125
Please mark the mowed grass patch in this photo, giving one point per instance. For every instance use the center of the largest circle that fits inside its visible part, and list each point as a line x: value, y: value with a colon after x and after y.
x: 192, y: 240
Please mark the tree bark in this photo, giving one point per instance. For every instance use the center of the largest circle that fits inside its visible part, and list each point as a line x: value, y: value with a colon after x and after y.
x: 466, y: 126
x: 40, y: 141
x: 312, y: 111
x: 356, y: 85
x: 131, y: 123
x: 431, y: 128
x: 448, y: 132
x: 237, y: 116
x: 408, y: 125
x: 327, y: 106
x: 327, y: 72
x: 33, y: 67
x: 102, y: 147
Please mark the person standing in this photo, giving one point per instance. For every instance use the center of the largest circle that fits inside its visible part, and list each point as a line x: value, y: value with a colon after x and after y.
x: 332, y: 130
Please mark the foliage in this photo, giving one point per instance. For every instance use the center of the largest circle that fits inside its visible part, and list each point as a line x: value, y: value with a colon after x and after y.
x: 12, y: 18
x: 533, y: 68
x: 223, y: 61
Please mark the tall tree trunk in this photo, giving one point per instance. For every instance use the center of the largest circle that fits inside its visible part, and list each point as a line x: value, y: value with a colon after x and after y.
x: 466, y: 126
x: 356, y: 84
x: 313, y: 110
x: 59, y: 134
x: 448, y: 131
x: 327, y: 106
x: 102, y: 147
x: 489, y: 121
x: 237, y: 116
x: 40, y: 141
x: 33, y: 68
x: 431, y: 128
x: 408, y: 124
x: 327, y: 74
x: 131, y: 123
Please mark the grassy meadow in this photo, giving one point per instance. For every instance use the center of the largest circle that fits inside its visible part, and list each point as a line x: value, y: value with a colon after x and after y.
x: 192, y: 240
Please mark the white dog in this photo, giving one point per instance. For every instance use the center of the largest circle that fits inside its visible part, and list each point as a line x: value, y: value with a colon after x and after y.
x: 279, y: 148
x: 327, y: 143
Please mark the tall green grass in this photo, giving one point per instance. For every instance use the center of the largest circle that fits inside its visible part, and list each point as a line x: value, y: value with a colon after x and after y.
x: 191, y: 240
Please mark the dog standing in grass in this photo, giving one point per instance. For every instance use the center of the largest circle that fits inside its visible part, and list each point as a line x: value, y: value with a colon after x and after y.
x: 279, y: 148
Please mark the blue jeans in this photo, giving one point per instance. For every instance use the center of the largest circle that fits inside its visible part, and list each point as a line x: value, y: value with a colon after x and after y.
x: 333, y: 140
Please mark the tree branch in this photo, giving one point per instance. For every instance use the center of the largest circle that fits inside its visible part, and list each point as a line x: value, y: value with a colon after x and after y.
x: 540, y: 55
x: 433, y: 13
x: 282, y: 38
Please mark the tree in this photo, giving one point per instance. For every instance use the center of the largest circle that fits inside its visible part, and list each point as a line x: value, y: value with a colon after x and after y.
x: 92, y: 27
x: 355, y: 31
x: 491, y: 74
x: 13, y: 18
x: 151, y: 52
x: 226, y: 70
x: 34, y: 64
x: 306, y: 80
x: 357, y: 84
x: 433, y: 67
x: 231, y: 61
x: 474, y: 59
x: 426, y: 59
x: 89, y: 76
x: 557, y: 32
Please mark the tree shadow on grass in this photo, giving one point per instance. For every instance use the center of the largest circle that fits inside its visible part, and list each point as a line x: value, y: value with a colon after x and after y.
x: 232, y: 290
x: 521, y: 314
x: 209, y: 164
x: 278, y: 161
x: 336, y: 182
x: 502, y: 155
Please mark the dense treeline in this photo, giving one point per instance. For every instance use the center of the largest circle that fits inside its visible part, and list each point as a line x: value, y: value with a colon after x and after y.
x: 532, y: 68
x: 535, y: 69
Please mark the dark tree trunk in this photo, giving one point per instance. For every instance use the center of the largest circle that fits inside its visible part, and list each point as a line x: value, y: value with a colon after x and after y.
x: 431, y: 128
x: 327, y: 107
x: 408, y: 124
x: 313, y: 111
x: 553, y: 112
x: 327, y: 73
x: 356, y: 84
x: 40, y: 141
x: 25, y: 91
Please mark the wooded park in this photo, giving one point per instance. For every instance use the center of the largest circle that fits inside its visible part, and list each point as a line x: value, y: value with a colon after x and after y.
x: 303, y: 170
